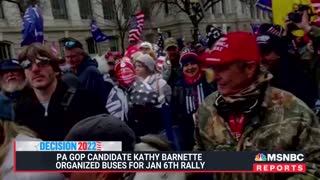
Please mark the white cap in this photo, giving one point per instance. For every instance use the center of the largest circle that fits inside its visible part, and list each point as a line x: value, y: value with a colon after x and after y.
x: 146, y: 45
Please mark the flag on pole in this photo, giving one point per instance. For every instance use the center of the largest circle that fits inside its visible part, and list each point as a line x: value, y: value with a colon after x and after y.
x: 54, y: 49
x: 160, y: 43
x: 32, y: 27
x: 136, y: 27
x: 97, y: 34
x: 265, y: 5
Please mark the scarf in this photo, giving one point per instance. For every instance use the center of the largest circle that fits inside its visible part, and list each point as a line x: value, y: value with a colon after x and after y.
x: 238, y: 107
x: 194, y: 79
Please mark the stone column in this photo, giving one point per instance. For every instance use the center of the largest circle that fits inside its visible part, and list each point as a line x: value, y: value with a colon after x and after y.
x: 73, y: 12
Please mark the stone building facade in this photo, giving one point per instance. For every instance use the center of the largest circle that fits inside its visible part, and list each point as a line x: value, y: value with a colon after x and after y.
x: 71, y: 18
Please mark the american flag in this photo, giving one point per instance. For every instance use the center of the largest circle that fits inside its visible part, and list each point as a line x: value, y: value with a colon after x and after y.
x: 99, y: 146
x: 160, y: 44
x: 136, y: 27
x: 265, y: 5
x: 54, y: 49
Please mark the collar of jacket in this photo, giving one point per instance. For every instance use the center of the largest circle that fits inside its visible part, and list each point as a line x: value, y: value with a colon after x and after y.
x: 57, y: 95
x: 86, y: 62
x: 254, y: 118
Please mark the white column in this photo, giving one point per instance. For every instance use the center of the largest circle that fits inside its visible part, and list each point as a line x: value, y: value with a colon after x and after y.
x: 12, y: 14
x: 73, y: 12
x: 97, y: 10
x: 46, y: 9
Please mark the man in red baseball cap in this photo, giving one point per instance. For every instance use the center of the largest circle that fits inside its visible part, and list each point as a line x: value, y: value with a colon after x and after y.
x: 247, y: 114
x: 235, y: 59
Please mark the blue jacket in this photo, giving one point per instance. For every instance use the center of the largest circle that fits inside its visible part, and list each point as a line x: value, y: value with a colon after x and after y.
x: 91, y: 79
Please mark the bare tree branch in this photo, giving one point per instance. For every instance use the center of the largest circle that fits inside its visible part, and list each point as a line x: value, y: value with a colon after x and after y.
x: 193, y: 9
x: 121, y: 16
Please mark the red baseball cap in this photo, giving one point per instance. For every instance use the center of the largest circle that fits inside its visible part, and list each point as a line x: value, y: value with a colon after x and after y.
x: 235, y: 46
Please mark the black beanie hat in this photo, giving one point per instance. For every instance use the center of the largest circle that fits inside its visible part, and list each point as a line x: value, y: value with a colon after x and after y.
x: 103, y: 127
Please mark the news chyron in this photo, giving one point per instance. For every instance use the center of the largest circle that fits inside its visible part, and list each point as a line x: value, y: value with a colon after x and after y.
x: 93, y: 156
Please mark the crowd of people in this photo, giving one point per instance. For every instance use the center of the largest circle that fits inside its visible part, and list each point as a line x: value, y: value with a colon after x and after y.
x: 238, y: 91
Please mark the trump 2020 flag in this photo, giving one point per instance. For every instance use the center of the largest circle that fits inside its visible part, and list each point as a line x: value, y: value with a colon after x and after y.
x: 97, y: 34
x: 32, y: 27
x: 265, y: 5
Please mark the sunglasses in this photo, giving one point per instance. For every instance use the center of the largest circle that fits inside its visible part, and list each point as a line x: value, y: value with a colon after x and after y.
x: 27, y: 64
x: 70, y: 44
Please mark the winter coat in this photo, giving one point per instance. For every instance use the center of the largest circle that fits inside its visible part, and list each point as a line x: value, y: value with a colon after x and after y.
x: 288, y: 76
x: 145, y: 113
x: 184, y: 104
x: 284, y: 123
x: 54, y: 124
x: 71, y: 80
x: 91, y: 79
x: 159, y: 85
x: 171, y: 73
x: 183, y: 98
x: 7, y: 171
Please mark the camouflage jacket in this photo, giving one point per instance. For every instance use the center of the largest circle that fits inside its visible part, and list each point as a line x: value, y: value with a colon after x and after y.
x: 288, y: 125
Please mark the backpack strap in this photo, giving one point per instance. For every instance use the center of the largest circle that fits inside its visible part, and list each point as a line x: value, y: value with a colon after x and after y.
x: 67, y: 99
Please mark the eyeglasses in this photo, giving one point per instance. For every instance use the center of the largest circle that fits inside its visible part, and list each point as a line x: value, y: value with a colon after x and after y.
x: 27, y: 64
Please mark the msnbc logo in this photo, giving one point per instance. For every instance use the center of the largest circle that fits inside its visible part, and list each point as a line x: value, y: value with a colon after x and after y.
x: 260, y: 157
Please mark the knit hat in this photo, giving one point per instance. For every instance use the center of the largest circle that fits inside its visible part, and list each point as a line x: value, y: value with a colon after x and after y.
x: 124, y: 72
x: 103, y: 127
x: 268, y: 43
x: 10, y: 65
x: 188, y: 55
x: 6, y: 110
x: 236, y: 46
x: 148, y: 61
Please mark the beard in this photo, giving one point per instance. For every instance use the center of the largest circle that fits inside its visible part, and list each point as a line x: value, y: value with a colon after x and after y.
x: 13, y: 86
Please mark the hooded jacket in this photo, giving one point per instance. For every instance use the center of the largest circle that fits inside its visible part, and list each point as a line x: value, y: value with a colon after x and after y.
x: 91, y: 79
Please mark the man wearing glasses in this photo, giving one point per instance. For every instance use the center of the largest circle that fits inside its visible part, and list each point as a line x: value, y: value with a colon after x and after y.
x: 51, y: 107
x: 85, y: 69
